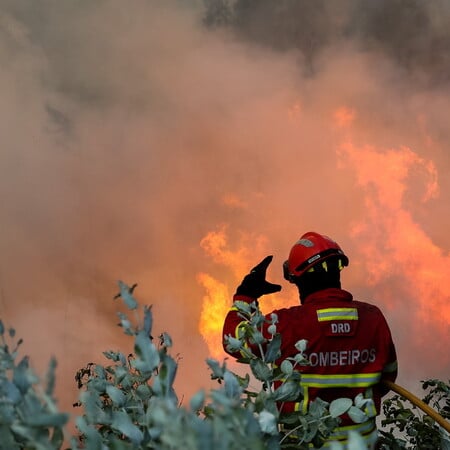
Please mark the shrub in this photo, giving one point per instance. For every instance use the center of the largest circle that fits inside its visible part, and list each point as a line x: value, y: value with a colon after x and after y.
x: 406, y: 425
x: 29, y: 418
x: 131, y: 404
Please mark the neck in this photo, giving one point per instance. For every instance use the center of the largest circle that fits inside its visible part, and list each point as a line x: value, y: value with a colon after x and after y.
x: 313, y: 282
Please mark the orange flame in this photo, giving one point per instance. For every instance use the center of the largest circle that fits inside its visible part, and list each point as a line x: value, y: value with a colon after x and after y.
x: 216, y: 304
x: 391, y: 242
x: 388, y: 241
x: 218, y: 298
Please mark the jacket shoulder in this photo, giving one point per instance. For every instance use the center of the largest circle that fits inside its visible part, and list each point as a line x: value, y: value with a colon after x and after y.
x: 368, y: 308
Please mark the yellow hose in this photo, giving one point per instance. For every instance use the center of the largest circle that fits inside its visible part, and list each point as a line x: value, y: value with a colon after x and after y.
x: 419, y: 403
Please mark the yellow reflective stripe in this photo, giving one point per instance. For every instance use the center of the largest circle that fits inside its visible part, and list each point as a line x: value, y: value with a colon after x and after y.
x: 337, y: 314
x: 236, y: 330
x: 236, y: 334
x: 349, y: 380
x: 233, y: 308
x: 303, y: 405
x: 391, y: 367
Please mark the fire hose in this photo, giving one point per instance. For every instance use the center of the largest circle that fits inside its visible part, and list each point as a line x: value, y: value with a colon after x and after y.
x: 419, y: 403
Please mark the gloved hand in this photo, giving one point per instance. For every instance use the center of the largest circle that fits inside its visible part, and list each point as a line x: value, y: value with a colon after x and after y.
x: 254, y: 284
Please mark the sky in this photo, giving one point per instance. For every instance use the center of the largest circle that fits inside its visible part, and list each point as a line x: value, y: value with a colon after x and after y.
x: 139, y: 144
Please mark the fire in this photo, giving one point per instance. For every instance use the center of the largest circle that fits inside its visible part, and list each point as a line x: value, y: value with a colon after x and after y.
x: 396, y: 254
x: 218, y: 298
x: 216, y: 304
x: 391, y: 242
x: 216, y: 245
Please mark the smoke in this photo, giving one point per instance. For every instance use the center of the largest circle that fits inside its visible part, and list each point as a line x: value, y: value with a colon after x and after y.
x: 131, y: 132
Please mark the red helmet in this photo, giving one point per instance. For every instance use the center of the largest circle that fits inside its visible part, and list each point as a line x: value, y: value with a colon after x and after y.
x: 310, y: 249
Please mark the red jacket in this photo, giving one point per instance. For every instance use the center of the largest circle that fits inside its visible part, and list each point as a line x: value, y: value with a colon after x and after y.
x: 350, y: 347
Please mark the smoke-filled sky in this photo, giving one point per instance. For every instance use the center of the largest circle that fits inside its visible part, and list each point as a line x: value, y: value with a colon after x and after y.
x: 138, y: 143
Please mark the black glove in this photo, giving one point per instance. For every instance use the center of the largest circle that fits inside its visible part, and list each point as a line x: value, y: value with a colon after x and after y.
x: 254, y: 284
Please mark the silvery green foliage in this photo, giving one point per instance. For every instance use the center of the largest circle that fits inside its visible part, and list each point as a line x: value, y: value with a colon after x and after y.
x: 29, y: 418
x: 131, y: 403
x: 282, y: 383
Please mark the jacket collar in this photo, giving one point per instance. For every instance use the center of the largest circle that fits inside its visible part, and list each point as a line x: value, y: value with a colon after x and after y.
x: 329, y: 294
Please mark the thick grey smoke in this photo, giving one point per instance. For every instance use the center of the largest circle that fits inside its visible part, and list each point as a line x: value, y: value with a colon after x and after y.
x: 132, y: 130
x: 412, y: 35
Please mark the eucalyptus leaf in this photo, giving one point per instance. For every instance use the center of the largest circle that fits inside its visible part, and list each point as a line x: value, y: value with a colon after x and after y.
x: 286, y: 367
x: 57, y: 438
x: 260, y: 370
x: 355, y: 441
x: 340, y: 406
x: 233, y: 344
x: 268, y: 422
x: 23, y: 378
x: 143, y: 391
x: 125, y: 293
x: 166, y: 340
x: 242, y: 306
x: 51, y: 378
x: 197, y: 401
x: 318, y: 407
x: 125, y: 323
x: 121, y: 421
x: 357, y: 415
x: 300, y: 359
x: 257, y: 337
x: 360, y: 401
x: 168, y: 370
x: 11, y: 392
x: 116, y: 395
x: 216, y: 369
x: 47, y: 420
x: 114, y: 356
x: 273, y: 351
x: 288, y: 391
x: 148, y: 320
x: 232, y: 387
x: 7, y: 413
x: 92, y: 436
x: 148, y: 356
x: 301, y: 345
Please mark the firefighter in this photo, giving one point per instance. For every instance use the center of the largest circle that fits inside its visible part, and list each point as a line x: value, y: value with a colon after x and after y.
x: 349, y: 343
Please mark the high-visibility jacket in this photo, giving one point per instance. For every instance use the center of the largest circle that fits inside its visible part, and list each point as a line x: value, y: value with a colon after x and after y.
x: 350, y: 350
